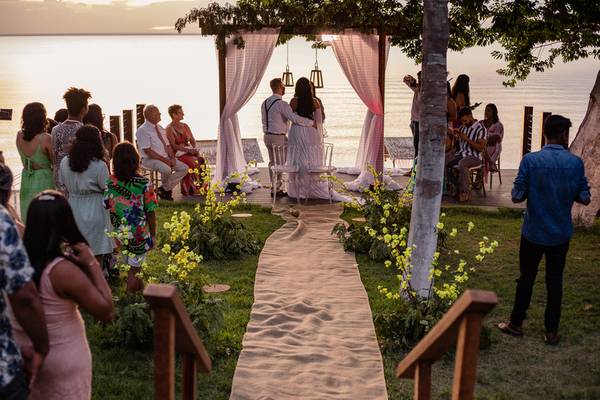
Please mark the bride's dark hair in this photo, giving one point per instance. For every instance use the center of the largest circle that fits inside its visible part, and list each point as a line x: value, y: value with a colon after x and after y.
x: 305, y: 98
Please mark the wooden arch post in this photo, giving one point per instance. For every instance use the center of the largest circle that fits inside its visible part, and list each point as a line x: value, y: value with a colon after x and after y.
x: 222, y: 50
x: 381, y: 53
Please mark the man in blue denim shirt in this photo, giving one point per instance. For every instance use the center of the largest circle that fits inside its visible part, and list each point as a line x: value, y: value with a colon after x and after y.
x: 551, y: 180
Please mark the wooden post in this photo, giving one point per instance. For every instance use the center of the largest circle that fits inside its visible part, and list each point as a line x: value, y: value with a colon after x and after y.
x: 128, y: 125
x: 422, y: 381
x: 527, y: 129
x: 381, y: 53
x: 139, y: 115
x: 115, y: 126
x: 190, y: 370
x: 467, y: 352
x: 164, y: 354
x: 545, y: 115
x: 222, y: 72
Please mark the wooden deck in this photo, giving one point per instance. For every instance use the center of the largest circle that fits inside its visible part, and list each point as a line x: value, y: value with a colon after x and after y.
x: 497, y: 196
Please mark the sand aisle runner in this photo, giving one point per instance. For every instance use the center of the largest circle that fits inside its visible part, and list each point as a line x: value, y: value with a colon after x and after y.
x: 310, y: 334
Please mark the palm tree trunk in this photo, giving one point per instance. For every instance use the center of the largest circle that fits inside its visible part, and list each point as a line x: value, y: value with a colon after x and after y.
x: 432, y: 133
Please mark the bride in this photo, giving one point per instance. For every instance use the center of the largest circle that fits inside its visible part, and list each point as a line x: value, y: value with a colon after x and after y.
x: 305, y: 147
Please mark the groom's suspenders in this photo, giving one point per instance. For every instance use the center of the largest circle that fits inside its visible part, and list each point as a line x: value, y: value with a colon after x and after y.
x: 267, y: 111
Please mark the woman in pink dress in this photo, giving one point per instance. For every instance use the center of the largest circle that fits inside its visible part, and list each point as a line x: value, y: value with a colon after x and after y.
x: 68, y: 276
x: 495, y: 131
x: 183, y: 143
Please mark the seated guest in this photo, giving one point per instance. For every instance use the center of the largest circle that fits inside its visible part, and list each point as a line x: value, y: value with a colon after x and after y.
x: 84, y: 173
x: 6, y: 182
x: 68, y: 277
x: 35, y: 148
x: 183, y: 143
x: 131, y: 200
x: 471, y: 144
x: 157, y: 154
x: 61, y: 115
x: 96, y: 118
x: 63, y: 134
x: 495, y: 133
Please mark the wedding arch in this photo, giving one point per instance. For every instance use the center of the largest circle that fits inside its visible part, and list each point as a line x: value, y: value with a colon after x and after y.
x: 246, y: 35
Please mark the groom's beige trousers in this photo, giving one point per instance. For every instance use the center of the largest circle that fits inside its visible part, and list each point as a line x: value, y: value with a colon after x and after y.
x: 270, y: 141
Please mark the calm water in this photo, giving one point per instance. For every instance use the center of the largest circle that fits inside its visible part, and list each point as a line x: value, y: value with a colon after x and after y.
x: 123, y: 71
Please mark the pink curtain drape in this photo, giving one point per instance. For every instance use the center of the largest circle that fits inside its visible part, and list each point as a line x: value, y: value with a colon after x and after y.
x: 358, y: 55
x: 245, y: 68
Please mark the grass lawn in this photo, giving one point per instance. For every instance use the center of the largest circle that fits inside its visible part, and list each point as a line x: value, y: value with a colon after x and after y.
x: 123, y: 373
x: 509, y: 369
x: 517, y: 368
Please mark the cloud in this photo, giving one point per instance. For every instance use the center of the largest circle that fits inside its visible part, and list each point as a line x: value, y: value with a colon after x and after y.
x: 45, y: 17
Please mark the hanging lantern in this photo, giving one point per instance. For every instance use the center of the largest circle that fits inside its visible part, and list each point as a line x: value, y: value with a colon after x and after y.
x: 287, y: 77
x: 316, y: 76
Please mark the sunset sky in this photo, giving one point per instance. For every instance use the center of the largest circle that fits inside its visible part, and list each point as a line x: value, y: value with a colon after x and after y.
x: 25, y: 17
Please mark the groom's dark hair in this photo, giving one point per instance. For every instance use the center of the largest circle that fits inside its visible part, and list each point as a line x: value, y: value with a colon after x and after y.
x: 275, y: 83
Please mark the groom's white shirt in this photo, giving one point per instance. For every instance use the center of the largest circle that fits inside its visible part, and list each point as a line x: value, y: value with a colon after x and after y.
x: 278, y: 116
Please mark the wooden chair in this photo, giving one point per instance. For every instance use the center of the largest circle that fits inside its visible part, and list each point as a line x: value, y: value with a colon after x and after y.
x: 152, y: 175
x: 496, y: 166
x: 173, y: 331
x: 280, y: 166
x: 460, y: 326
x: 476, y: 176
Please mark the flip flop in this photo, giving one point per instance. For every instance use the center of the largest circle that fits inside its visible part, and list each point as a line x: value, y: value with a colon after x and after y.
x: 509, y: 329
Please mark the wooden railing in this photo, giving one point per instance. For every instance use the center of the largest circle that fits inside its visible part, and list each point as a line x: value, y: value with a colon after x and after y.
x: 461, y: 325
x: 173, y: 331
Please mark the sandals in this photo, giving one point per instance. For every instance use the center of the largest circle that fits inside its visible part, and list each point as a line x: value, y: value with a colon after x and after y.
x: 509, y: 329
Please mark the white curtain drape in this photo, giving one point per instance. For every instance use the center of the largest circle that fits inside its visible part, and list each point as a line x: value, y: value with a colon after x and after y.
x: 244, y: 68
x: 358, y: 55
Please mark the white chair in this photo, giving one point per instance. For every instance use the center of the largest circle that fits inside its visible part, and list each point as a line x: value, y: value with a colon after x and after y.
x: 323, y: 156
x: 279, y: 166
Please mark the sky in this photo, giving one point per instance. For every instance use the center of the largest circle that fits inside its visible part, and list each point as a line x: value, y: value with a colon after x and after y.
x: 29, y: 17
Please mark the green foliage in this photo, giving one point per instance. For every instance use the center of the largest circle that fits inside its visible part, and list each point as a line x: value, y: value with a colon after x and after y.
x: 225, y: 238
x: 533, y: 34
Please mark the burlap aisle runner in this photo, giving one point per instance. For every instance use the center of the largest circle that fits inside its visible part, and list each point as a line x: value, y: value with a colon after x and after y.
x: 310, y: 334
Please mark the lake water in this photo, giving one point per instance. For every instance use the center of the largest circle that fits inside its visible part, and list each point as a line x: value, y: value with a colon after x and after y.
x: 122, y: 71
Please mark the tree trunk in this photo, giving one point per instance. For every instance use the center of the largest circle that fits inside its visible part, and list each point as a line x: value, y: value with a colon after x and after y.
x: 587, y: 146
x: 432, y: 133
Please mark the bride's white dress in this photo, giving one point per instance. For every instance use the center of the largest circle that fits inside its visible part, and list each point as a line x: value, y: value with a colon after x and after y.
x: 305, y: 150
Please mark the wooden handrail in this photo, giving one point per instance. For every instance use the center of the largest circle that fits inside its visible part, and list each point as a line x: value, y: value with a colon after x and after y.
x: 461, y: 325
x: 173, y: 331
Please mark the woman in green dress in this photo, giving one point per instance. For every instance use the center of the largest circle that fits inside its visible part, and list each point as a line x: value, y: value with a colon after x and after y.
x: 35, y: 148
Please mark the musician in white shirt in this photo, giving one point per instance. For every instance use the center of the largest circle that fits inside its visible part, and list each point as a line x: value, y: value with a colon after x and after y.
x: 157, y: 154
x: 276, y: 113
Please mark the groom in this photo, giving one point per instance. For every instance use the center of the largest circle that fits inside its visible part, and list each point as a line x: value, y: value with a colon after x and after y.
x: 276, y: 113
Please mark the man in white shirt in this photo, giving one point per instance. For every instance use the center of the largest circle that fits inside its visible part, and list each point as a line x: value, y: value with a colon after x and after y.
x: 276, y: 113
x: 157, y: 154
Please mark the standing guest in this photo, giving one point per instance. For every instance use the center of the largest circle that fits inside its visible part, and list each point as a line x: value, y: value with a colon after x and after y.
x: 61, y: 115
x: 6, y: 181
x: 276, y: 113
x: 35, y: 148
x: 461, y: 91
x: 50, y: 124
x: 471, y: 145
x: 68, y: 277
x: 18, y: 369
x: 157, y: 154
x: 551, y: 180
x: 2, y: 160
x: 131, y: 200
x: 183, y: 143
x: 95, y: 117
x: 495, y: 131
x: 451, y: 117
x: 415, y: 86
x: 63, y: 134
x: 84, y: 173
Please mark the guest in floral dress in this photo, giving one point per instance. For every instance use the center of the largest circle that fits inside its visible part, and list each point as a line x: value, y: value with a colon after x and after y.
x: 131, y: 200
x: 183, y: 143
x: 495, y: 131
